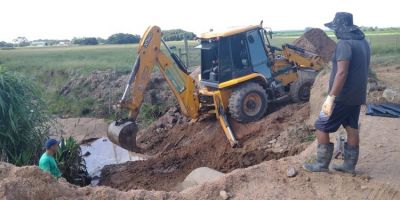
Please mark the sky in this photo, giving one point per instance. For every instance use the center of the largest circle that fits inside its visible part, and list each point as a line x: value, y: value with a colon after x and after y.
x: 65, y: 19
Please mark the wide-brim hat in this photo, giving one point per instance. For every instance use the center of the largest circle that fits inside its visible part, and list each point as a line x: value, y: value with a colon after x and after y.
x: 343, y: 22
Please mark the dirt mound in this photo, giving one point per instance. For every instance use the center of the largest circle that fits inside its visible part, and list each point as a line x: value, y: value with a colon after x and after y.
x: 185, y: 146
x: 318, y: 93
x: 81, y: 129
x: 316, y: 40
x: 32, y: 183
x: 268, y: 180
x: 104, y: 88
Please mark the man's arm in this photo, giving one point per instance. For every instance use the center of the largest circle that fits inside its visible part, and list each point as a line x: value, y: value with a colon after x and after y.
x: 55, y: 171
x: 340, y: 77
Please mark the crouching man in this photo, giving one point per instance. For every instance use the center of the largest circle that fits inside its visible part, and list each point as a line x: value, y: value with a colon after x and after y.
x: 347, y: 92
x: 47, y: 162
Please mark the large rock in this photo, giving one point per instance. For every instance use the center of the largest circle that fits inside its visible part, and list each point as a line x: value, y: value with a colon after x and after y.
x: 392, y: 95
x: 199, y: 176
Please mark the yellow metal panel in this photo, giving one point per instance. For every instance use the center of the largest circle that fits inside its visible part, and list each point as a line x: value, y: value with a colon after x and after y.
x: 313, y: 62
x: 287, y: 78
x: 228, y: 32
x: 147, y: 52
x: 150, y: 54
x: 187, y: 99
x: 239, y: 80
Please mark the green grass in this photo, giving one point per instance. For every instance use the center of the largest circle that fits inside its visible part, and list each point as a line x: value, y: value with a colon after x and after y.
x: 83, y: 59
x: 52, y: 67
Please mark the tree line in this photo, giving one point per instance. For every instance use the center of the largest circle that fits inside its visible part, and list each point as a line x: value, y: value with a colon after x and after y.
x: 126, y: 38
x: 118, y: 38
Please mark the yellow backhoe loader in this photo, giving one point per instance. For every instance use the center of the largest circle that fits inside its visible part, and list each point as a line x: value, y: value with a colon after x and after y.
x: 241, y: 73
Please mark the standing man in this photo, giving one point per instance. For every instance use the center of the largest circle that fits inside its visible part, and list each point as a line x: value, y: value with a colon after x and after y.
x: 347, y: 92
x: 47, y: 162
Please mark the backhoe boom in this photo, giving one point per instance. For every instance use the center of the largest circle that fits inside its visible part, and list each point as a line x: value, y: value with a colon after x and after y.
x: 183, y: 86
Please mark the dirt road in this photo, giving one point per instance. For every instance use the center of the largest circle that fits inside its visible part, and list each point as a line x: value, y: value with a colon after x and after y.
x: 380, y: 150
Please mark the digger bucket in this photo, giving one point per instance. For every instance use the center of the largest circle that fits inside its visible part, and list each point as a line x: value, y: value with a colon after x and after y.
x: 123, y: 134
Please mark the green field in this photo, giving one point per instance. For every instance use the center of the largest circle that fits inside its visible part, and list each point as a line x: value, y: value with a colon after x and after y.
x: 52, y: 67
x: 85, y: 59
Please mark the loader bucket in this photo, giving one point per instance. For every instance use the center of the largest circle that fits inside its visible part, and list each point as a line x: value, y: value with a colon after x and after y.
x: 123, y: 134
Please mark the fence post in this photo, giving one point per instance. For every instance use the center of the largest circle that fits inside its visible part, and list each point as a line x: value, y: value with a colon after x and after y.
x: 180, y: 53
x: 186, y: 50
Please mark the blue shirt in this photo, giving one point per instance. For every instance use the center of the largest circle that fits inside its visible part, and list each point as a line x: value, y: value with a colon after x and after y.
x: 357, y: 52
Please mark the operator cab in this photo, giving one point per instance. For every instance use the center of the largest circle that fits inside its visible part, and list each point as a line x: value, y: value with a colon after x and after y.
x: 232, y: 54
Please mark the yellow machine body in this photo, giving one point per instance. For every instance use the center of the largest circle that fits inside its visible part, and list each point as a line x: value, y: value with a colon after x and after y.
x: 189, y: 95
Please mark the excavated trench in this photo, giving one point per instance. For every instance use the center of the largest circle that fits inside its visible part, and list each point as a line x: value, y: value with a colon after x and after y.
x: 177, y: 147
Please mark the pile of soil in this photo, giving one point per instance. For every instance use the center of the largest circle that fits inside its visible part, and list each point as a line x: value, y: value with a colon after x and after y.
x: 106, y: 88
x: 269, y: 180
x: 184, y: 146
x: 318, y: 93
x: 81, y: 129
x: 316, y: 40
x: 32, y: 183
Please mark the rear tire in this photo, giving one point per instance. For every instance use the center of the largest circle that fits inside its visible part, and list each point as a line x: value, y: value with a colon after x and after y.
x: 248, y: 102
x: 301, y: 88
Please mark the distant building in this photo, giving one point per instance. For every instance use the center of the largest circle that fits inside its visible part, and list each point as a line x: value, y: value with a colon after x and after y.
x: 64, y: 43
x: 39, y: 43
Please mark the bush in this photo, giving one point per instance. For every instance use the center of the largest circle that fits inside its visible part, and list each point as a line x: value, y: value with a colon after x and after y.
x: 122, y: 38
x: 71, y: 163
x: 24, y: 121
x: 85, y: 41
x: 5, y: 44
x: 150, y: 113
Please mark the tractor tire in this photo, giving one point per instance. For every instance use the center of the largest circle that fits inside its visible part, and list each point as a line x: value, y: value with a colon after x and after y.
x: 248, y: 102
x: 301, y: 88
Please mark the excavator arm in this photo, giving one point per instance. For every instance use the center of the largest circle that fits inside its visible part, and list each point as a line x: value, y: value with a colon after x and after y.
x: 123, y: 131
x: 302, y: 58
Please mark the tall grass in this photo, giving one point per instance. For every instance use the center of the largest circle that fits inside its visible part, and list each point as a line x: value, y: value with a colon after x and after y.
x: 24, y: 121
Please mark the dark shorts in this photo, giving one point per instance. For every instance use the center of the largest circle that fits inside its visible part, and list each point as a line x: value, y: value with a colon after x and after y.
x: 345, y: 115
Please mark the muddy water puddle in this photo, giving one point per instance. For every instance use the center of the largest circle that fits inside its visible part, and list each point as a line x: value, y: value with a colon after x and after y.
x: 102, y: 152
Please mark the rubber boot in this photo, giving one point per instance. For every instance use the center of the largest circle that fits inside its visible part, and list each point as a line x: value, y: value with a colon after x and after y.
x: 324, y: 156
x: 350, y: 159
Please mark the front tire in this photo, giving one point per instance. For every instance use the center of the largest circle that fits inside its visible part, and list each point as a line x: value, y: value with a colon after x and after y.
x: 248, y: 102
x: 301, y: 88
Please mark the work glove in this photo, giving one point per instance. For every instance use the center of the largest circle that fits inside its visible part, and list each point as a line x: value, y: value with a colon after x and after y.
x: 329, y: 104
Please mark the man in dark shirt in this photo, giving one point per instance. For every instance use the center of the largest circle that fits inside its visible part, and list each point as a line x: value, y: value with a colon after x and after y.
x: 347, y: 92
